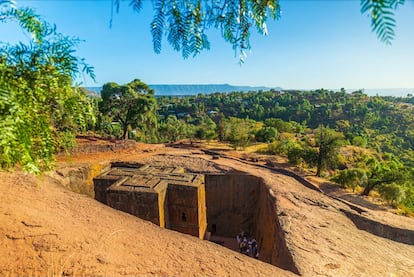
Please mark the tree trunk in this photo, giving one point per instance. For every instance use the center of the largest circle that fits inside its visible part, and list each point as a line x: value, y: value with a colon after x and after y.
x: 320, y: 153
x: 318, y: 172
x: 320, y: 158
x: 125, y: 133
x: 367, y: 189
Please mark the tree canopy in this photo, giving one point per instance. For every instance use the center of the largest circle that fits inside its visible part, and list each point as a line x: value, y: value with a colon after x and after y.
x: 132, y: 105
x: 385, y: 172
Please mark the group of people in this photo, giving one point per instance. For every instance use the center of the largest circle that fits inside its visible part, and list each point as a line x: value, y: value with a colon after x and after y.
x: 248, y: 246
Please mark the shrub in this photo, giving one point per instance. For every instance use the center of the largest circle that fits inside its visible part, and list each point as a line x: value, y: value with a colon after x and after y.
x: 359, y: 141
x: 392, y: 193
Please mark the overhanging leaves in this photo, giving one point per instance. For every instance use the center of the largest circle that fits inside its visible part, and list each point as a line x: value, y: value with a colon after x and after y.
x: 381, y: 13
x: 185, y: 22
x: 39, y: 107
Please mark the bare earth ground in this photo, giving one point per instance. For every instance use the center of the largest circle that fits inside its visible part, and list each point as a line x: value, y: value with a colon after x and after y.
x: 47, y: 230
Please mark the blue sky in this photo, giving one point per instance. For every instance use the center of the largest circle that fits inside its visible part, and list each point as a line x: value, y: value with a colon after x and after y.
x: 315, y: 44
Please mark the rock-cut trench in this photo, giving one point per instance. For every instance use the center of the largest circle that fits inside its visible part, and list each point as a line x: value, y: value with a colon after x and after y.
x: 235, y: 202
x: 242, y: 202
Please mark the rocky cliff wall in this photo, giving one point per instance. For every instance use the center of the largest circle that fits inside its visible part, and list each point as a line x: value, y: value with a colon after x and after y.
x: 242, y: 202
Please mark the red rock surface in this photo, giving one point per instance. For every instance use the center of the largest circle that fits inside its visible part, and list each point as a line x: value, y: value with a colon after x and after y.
x: 47, y: 230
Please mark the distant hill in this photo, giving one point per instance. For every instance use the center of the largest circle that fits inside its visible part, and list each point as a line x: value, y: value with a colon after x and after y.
x: 93, y: 91
x: 396, y: 92
x: 203, y: 89
x: 96, y: 90
x: 212, y: 88
x: 195, y: 89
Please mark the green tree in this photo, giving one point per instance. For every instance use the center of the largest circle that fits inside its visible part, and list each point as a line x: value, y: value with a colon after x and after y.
x: 359, y: 141
x: 283, y: 147
x: 132, y: 105
x: 408, y: 202
x: 280, y: 125
x: 385, y: 172
x: 239, y: 132
x: 309, y: 156
x: 266, y: 134
x: 171, y: 129
x: 40, y: 111
x: 351, y: 178
x: 206, y: 129
x: 295, y: 155
x: 393, y: 193
x: 328, y: 141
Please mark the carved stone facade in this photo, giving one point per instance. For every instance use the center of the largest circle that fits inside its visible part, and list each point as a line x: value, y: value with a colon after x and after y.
x: 165, y: 196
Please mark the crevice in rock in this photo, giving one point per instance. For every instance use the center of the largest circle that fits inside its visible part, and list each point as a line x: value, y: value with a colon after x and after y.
x: 243, y: 203
x: 382, y: 230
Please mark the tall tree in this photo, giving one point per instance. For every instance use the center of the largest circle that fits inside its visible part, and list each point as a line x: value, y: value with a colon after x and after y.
x: 132, y: 105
